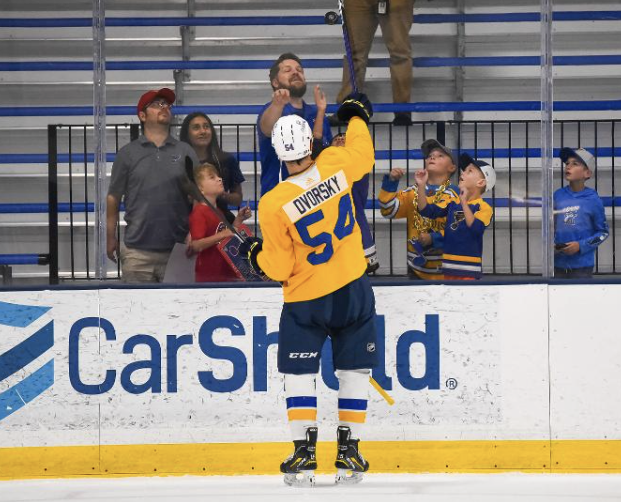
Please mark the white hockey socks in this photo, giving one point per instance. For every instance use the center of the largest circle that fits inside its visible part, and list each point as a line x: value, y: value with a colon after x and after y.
x: 353, y: 397
x: 301, y: 395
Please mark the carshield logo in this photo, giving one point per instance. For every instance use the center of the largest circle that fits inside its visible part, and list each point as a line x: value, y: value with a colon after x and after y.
x: 21, y: 354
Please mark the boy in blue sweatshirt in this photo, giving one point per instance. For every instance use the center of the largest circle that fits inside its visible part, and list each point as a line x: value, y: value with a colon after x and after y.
x: 580, y: 222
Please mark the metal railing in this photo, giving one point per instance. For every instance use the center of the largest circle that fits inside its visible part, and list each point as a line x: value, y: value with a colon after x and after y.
x: 511, y: 241
x: 76, y: 204
x: 293, y: 20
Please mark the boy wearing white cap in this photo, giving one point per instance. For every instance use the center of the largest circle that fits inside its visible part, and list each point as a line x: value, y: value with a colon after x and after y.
x: 466, y: 219
x: 580, y: 222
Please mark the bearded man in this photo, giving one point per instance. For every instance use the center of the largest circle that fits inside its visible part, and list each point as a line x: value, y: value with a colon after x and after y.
x: 289, y: 85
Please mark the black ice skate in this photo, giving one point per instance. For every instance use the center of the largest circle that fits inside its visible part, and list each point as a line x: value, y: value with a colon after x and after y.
x: 350, y: 463
x: 299, y: 468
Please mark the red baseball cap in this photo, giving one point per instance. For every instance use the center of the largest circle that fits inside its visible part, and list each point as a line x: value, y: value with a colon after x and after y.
x: 148, y: 97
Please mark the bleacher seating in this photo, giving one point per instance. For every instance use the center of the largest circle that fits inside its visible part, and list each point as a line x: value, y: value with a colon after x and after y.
x: 47, y: 79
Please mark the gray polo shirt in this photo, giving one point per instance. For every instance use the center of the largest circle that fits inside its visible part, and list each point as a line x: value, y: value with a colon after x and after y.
x: 150, y: 179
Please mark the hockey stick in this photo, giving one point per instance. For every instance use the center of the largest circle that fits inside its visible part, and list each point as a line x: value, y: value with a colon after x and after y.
x: 195, y: 192
x: 381, y: 391
x: 348, y: 53
x: 532, y: 202
x: 331, y: 18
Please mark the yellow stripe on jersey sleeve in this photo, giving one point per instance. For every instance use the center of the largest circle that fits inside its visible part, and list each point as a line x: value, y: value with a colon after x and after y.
x: 485, y: 212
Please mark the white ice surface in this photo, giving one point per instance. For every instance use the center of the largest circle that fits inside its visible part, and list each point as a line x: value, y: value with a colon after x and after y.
x: 375, y: 487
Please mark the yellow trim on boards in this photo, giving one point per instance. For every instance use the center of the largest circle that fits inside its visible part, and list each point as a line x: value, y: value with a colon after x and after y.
x: 264, y: 458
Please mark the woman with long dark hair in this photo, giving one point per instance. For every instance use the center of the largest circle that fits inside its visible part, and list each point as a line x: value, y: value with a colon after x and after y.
x: 197, y: 130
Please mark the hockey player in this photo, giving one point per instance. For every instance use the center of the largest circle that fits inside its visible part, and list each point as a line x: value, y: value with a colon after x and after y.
x: 312, y: 245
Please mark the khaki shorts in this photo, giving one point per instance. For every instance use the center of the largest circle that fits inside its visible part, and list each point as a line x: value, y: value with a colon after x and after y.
x: 138, y: 265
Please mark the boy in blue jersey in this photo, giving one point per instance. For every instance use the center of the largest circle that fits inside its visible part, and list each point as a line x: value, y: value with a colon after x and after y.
x: 466, y: 219
x: 580, y: 222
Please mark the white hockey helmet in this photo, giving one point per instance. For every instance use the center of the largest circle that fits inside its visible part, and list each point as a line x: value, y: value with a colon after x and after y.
x: 292, y: 138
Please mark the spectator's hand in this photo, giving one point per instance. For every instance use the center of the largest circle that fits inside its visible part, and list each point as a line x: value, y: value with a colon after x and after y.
x: 572, y: 247
x: 463, y: 195
x: 355, y: 105
x: 425, y: 239
x: 281, y: 97
x: 320, y: 99
x: 242, y: 215
x: 421, y: 176
x: 112, y: 249
x: 189, y: 250
x: 396, y: 174
x: 224, y: 234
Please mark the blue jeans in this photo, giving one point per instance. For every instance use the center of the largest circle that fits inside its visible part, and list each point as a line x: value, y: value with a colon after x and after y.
x: 573, y: 273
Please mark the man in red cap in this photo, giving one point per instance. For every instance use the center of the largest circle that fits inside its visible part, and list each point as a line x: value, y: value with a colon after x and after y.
x: 148, y: 174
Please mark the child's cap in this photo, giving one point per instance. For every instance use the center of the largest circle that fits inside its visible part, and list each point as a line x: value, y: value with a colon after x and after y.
x: 581, y: 154
x: 431, y: 144
x: 488, y: 171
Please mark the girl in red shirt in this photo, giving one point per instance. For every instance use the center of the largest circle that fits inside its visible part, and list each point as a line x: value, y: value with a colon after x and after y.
x: 207, y: 229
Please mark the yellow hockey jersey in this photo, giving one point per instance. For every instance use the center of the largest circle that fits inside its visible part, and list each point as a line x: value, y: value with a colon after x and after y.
x: 396, y: 204
x: 312, y: 243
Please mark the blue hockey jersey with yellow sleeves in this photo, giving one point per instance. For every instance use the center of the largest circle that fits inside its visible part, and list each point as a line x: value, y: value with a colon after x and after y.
x: 312, y: 243
x: 463, y: 245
